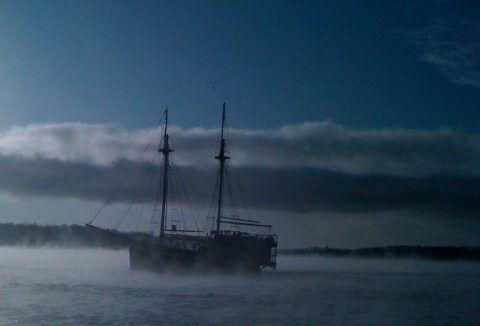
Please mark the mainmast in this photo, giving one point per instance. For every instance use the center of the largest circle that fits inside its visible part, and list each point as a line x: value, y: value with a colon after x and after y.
x: 166, y: 150
x: 222, y: 158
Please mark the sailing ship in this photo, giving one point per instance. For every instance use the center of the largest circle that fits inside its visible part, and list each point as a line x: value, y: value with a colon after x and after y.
x: 218, y: 249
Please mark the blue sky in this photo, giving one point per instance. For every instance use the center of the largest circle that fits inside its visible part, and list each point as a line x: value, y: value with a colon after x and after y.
x: 275, y: 63
x: 354, y: 122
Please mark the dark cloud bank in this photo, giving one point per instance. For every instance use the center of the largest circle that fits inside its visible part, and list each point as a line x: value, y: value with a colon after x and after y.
x: 280, y: 189
x: 319, y: 145
x: 314, y: 167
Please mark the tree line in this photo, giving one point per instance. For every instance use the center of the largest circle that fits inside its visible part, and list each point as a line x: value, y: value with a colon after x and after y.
x: 34, y: 235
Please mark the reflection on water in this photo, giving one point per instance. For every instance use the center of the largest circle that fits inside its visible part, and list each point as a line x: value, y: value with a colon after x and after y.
x: 55, y: 286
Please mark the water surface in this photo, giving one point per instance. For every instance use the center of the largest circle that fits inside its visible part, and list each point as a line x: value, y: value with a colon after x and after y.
x: 80, y: 287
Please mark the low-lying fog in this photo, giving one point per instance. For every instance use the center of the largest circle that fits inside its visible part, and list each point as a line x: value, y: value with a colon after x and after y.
x: 78, y: 286
x: 90, y: 261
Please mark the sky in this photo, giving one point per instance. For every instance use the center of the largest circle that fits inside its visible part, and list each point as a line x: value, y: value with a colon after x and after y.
x: 349, y: 123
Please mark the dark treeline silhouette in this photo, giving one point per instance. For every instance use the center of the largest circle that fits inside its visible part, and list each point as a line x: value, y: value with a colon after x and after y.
x: 438, y: 253
x: 33, y: 235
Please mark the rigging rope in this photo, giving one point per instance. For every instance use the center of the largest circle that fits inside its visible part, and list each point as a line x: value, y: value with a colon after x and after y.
x: 228, y: 184
x: 149, y: 190
x: 122, y: 184
x: 244, y: 202
x: 146, y: 178
x: 210, y: 215
x: 187, y: 198
x: 158, y: 198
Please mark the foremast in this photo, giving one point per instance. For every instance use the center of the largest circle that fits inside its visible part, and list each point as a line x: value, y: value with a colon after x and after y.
x: 165, y: 150
x: 221, y: 157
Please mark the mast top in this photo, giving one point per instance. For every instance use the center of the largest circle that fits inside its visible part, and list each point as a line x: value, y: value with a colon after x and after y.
x: 223, y: 118
x: 166, y: 122
x: 166, y: 145
x: 221, y: 155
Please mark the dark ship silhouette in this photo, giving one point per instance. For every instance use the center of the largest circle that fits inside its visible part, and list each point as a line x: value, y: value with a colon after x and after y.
x: 219, y: 249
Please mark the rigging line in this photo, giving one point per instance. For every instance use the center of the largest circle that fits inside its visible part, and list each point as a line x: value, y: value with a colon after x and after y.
x: 229, y: 186
x: 244, y: 202
x: 142, y: 184
x: 174, y: 197
x: 235, y: 210
x: 154, y: 190
x: 241, y: 192
x: 149, y: 187
x: 178, y: 191
x: 140, y: 216
x: 154, y: 219
x: 210, y: 216
x: 237, y: 205
x: 137, y: 164
x: 187, y: 198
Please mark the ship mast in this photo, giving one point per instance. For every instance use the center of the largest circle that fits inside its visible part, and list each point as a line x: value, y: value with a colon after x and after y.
x: 221, y: 158
x: 166, y: 150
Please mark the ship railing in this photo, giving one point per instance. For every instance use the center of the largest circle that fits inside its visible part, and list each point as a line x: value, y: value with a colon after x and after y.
x: 243, y: 221
x: 247, y: 234
x: 174, y: 230
x: 185, y: 243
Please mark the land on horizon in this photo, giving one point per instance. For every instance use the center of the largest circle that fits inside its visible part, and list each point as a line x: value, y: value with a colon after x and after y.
x: 78, y: 236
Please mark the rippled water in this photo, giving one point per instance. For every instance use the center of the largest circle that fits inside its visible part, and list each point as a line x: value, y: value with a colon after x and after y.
x: 54, y: 286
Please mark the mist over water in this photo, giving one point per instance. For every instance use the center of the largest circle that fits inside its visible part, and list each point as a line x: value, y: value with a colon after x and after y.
x: 79, y: 287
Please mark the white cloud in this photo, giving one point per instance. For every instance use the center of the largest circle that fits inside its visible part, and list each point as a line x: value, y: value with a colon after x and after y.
x: 72, y: 142
x: 453, y: 47
x: 322, y: 145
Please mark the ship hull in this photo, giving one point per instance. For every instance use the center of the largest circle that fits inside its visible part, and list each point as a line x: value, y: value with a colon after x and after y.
x: 227, y: 253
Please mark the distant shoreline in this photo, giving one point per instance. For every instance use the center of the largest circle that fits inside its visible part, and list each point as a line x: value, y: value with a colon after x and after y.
x: 64, y: 236
x: 449, y: 253
x: 78, y: 236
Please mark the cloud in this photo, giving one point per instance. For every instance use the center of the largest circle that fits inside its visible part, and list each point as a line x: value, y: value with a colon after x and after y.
x: 100, y: 145
x: 451, y: 41
x: 307, y: 168
x: 288, y: 190
x: 319, y: 145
